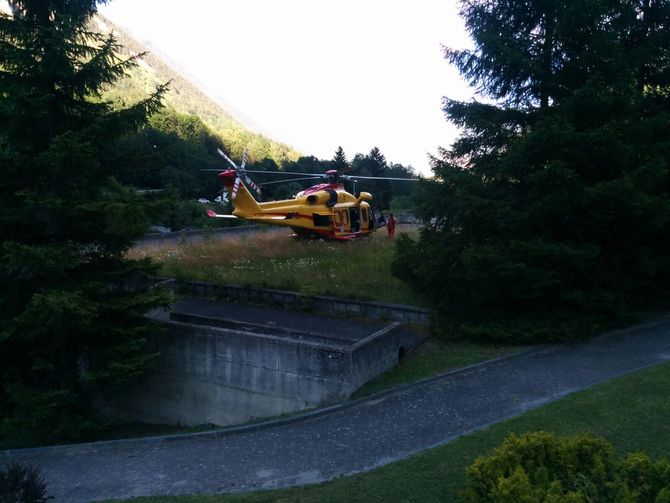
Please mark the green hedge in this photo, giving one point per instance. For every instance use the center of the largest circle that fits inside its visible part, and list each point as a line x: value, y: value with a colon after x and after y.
x: 541, y: 467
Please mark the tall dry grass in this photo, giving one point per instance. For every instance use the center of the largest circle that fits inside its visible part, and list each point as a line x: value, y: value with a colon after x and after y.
x: 272, y: 259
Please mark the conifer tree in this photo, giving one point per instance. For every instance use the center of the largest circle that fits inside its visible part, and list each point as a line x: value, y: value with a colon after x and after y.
x: 340, y: 159
x: 71, y: 305
x: 553, y: 203
x: 374, y: 164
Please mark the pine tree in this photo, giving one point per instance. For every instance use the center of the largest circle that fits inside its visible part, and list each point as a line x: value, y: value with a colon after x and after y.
x: 377, y: 164
x: 554, y: 204
x: 340, y: 161
x: 374, y: 164
x: 71, y: 306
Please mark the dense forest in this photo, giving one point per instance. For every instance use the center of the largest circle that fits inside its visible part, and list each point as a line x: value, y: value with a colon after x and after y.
x: 552, y: 215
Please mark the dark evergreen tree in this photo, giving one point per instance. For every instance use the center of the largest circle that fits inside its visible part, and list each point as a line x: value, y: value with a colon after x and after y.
x: 552, y: 206
x: 374, y: 164
x: 402, y: 191
x: 71, y: 305
x: 382, y: 188
x: 377, y: 165
x: 340, y: 159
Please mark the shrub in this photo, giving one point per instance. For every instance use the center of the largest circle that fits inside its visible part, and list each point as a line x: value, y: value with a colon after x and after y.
x: 22, y: 484
x: 540, y: 467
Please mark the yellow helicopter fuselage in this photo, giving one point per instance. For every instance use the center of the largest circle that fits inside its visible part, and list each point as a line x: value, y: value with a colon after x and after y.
x: 324, y: 210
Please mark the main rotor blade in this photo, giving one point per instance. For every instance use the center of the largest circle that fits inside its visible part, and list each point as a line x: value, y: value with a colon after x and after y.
x: 244, y: 158
x: 222, y: 154
x: 286, y: 180
x: 386, y: 178
x: 236, y: 187
x: 252, y: 185
x: 319, y: 175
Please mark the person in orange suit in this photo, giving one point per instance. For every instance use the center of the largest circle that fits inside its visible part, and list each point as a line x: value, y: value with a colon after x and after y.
x: 390, y: 225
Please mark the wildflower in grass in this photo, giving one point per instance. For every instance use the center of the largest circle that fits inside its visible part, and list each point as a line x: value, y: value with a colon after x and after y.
x: 265, y: 261
x: 172, y: 255
x: 242, y: 264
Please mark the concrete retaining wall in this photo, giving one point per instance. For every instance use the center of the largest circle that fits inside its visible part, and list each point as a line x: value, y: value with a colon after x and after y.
x: 323, y: 304
x: 206, y: 374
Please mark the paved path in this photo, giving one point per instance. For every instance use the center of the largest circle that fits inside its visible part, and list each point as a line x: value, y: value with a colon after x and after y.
x: 354, y: 439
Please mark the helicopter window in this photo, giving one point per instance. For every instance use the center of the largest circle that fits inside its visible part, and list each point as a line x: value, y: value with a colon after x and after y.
x: 333, y: 198
x: 341, y: 219
x: 379, y: 221
x: 364, y: 215
x: 321, y: 220
x: 355, y: 223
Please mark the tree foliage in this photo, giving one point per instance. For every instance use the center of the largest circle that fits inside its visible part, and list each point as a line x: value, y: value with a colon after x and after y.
x: 374, y: 164
x: 363, y: 165
x: 340, y: 159
x: 22, y: 484
x: 71, y: 306
x: 540, y: 466
x: 553, y: 203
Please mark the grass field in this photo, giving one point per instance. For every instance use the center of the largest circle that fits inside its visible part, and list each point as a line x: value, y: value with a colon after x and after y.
x: 357, y: 269
x: 632, y: 412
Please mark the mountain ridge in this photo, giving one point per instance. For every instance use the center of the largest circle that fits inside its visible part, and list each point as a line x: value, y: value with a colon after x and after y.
x: 187, y: 96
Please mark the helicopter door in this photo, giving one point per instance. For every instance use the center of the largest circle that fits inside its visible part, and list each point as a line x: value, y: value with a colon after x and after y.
x: 341, y: 220
x: 354, y: 217
x: 366, y: 219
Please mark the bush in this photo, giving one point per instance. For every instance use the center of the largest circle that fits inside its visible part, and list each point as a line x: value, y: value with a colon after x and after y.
x: 22, y: 484
x: 540, y: 467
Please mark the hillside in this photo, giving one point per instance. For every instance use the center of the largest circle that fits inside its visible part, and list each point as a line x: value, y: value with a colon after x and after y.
x: 185, y: 97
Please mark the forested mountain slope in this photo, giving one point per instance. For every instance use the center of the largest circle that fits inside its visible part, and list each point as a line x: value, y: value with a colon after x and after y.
x: 186, y: 98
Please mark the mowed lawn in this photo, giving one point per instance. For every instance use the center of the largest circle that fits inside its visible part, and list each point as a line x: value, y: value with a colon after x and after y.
x: 632, y: 412
x: 359, y: 269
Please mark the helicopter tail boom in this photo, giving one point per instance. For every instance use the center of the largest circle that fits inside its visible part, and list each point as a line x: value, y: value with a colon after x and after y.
x: 242, y: 199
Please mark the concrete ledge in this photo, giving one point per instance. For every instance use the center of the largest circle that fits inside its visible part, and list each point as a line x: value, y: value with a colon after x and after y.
x: 252, y: 328
x: 320, y: 303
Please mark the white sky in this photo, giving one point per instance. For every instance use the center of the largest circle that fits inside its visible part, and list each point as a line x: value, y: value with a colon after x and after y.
x: 318, y: 74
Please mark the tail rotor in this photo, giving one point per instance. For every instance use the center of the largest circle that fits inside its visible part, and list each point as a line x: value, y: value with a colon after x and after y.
x: 241, y: 173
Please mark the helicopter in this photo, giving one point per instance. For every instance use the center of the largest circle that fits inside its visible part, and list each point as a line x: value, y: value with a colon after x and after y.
x: 324, y: 210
